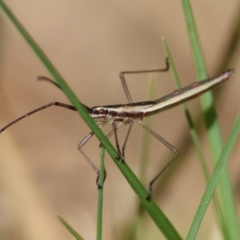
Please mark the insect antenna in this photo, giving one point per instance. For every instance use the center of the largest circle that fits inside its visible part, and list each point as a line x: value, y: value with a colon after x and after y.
x: 43, y: 78
x: 59, y: 104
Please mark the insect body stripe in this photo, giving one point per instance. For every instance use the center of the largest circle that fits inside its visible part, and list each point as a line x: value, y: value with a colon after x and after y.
x: 187, y: 93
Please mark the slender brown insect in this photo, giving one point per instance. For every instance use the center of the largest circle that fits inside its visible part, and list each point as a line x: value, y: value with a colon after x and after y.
x: 120, y: 114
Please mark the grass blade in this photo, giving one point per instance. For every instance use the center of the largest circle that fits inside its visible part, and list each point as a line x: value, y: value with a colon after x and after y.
x: 70, y: 229
x: 100, y: 196
x: 193, y: 133
x: 192, y: 129
x: 213, y: 130
x: 218, y: 170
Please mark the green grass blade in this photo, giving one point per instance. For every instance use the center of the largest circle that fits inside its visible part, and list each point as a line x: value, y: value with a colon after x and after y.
x: 194, y: 41
x: 193, y: 132
x: 136, y: 229
x: 213, y: 130
x: 206, y: 99
x: 151, y: 207
x: 70, y: 229
x: 230, y: 48
x: 146, y: 139
x: 192, y: 129
x: 218, y: 170
x: 100, y: 196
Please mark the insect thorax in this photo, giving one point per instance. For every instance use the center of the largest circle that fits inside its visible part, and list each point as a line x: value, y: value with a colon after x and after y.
x: 116, y: 112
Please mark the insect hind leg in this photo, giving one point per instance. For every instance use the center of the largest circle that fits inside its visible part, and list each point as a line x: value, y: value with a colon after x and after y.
x: 124, y: 83
x: 170, y: 147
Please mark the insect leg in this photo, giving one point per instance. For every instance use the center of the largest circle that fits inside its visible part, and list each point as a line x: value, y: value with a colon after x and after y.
x: 100, y: 150
x: 130, y: 122
x: 124, y: 84
x: 114, y: 125
x: 121, y: 154
x: 81, y: 144
x: 84, y: 141
x: 170, y: 147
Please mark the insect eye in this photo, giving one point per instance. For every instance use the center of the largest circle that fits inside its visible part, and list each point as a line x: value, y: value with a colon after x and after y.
x: 101, y: 111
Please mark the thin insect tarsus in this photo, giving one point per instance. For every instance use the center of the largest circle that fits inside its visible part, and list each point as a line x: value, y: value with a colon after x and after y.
x: 99, y: 186
x: 118, y: 157
x: 149, y: 196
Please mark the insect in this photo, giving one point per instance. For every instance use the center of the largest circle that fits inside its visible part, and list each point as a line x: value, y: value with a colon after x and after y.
x: 126, y: 114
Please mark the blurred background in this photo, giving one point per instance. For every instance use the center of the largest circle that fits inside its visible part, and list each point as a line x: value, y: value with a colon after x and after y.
x: 90, y: 42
